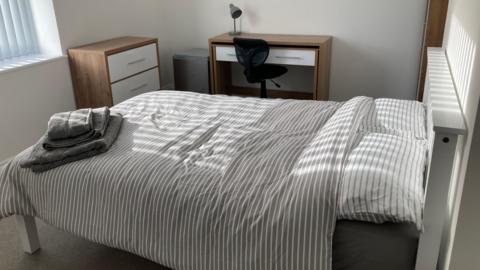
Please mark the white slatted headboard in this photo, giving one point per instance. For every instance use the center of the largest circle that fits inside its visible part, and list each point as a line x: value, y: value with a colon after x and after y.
x: 446, y: 125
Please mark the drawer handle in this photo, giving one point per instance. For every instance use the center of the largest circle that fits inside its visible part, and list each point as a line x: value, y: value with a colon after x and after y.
x: 136, y: 61
x: 139, y: 87
x: 289, y: 57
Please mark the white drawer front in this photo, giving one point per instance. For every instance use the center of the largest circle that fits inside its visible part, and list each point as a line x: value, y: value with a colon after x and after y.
x: 276, y: 56
x: 226, y: 54
x: 292, y: 57
x: 133, y: 61
x: 136, y: 85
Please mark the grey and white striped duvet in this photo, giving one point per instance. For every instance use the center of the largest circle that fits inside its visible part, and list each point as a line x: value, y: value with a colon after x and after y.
x: 206, y: 182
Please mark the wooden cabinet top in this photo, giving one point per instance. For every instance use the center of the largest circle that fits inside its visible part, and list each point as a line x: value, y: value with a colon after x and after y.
x: 277, y: 39
x: 115, y: 45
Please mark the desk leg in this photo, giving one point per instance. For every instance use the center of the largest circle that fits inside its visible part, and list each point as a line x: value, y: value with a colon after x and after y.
x: 220, y: 74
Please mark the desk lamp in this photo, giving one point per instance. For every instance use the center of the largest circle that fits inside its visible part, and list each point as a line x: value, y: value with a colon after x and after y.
x: 236, y: 13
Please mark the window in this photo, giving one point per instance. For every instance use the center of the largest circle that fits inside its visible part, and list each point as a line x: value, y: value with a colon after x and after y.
x: 17, y: 30
x: 28, y: 34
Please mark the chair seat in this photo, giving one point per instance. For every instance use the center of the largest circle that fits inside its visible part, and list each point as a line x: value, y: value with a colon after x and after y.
x: 265, y: 72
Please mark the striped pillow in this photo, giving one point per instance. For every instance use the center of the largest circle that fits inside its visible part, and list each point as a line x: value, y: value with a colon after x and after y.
x: 382, y: 180
x: 396, y: 117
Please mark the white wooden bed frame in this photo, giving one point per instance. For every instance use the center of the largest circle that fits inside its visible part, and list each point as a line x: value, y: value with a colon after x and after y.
x: 448, y: 124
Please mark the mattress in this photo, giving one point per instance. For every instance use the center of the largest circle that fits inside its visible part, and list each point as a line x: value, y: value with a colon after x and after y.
x: 215, y: 182
x: 367, y: 246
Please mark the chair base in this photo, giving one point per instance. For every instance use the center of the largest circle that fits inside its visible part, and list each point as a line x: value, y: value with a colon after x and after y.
x: 263, y: 89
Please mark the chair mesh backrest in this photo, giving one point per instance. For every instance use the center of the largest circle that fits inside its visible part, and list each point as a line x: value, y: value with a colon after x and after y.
x: 251, y: 53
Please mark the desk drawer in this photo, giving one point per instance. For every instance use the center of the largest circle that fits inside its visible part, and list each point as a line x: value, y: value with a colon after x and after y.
x: 133, y: 61
x: 136, y: 85
x: 295, y: 57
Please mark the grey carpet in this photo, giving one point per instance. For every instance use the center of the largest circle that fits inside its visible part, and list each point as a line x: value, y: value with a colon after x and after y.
x: 62, y: 251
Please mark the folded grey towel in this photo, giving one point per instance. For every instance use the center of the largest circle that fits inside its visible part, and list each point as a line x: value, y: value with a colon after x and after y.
x: 40, y: 160
x: 69, y: 124
x: 99, y: 119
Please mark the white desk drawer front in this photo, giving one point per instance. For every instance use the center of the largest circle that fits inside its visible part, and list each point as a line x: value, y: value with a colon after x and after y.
x: 136, y: 85
x: 277, y: 56
x: 226, y: 54
x: 133, y: 61
x: 292, y: 57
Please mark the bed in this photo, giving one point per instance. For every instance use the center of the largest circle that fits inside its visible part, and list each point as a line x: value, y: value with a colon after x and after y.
x: 216, y: 182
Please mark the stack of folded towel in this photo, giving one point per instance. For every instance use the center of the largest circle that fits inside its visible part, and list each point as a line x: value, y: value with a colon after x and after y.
x: 72, y: 136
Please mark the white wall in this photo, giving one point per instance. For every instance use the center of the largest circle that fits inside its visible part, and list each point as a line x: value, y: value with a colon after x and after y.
x: 462, y: 42
x: 87, y: 21
x: 376, y: 47
x: 465, y: 252
x: 27, y: 98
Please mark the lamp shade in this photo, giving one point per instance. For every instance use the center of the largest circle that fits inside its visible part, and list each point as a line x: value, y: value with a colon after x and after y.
x: 235, y: 11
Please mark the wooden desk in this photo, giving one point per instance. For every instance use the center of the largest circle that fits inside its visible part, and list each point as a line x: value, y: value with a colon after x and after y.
x: 298, y: 50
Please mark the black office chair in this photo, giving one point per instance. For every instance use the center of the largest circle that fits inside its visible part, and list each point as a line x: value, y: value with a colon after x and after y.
x: 252, y: 54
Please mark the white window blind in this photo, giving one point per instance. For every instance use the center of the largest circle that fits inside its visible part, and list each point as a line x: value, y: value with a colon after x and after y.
x: 17, y: 29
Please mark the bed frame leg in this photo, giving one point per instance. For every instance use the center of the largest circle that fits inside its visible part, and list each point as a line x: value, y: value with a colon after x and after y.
x: 27, y: 229
x: 436, y: 201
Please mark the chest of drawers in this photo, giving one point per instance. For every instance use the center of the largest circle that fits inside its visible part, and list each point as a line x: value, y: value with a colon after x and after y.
x: 109, y: 72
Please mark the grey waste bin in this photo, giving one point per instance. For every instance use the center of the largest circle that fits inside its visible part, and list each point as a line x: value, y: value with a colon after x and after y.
x: 191, y: 70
